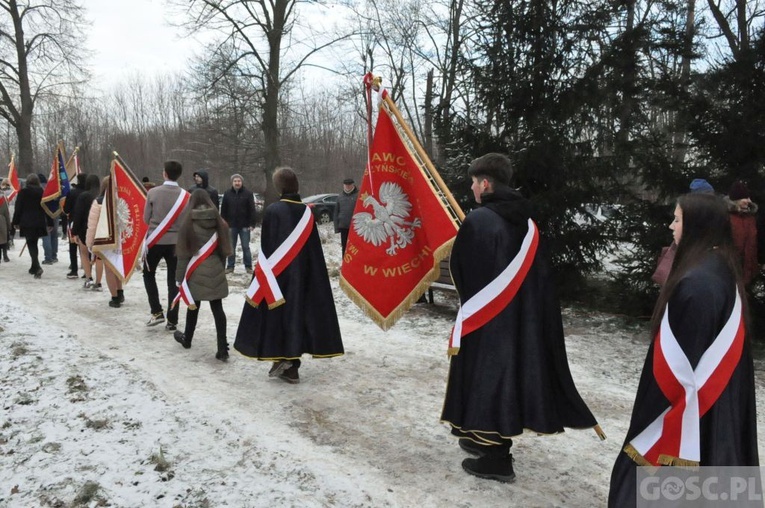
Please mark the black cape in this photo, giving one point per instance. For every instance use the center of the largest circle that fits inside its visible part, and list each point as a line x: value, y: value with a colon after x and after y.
x: 512, y: 374
x: 307, y: 321
x: 698, y: 309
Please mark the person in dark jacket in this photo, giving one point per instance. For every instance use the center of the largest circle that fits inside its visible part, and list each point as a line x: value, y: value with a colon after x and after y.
x: 80, y: 225
x: 31, y: 221
x: 346, y: 202
x: 5, y: 226
x: 77, y: 188
x: 207, y: 282
x: 304, y: 319
x: 509, y: 372
x: 202, y: 181
x: 695, y: 403
x: 238, y: 210
x: 49, y: 241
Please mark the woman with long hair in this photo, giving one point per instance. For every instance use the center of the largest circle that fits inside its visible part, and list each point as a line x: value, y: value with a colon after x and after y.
x: 695, y: 403
x: 206, y: 280
x: 33, y: 223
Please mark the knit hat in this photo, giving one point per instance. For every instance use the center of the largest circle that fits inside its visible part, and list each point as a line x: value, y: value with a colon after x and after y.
x: 348, y: 181
x: 738, y: 191
x: 236, y: 175
x: 701, y: 186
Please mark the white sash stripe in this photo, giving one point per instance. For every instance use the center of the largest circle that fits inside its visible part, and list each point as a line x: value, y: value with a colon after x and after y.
x: 692, y: 381
x: 159, y: 230
x: 267, y: 263
x: 203, y: 252
x: 482, y: 298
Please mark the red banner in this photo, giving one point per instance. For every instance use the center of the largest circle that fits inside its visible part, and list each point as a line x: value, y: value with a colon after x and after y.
x: 121, y: 229
x: 57, y: 188
x: 400, y: 229
x: 13, y: 179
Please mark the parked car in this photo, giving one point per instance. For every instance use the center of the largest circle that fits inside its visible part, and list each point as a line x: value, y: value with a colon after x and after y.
x: 322, y: 206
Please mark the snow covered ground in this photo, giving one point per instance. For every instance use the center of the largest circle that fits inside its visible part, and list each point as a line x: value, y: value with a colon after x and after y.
x: 99, y: 410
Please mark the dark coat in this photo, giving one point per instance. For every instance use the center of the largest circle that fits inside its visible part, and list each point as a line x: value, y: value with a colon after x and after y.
x: 212, y: 191
x: 80, y: 214
x: 5, y: 219
x: 511, y: 374
x: 208, y: 282
x: 28, y: 214
x: 238, y: 208
x: 307, y: 322
x: 346, y: 202
x: 698, y: 309
x: 744, y: 229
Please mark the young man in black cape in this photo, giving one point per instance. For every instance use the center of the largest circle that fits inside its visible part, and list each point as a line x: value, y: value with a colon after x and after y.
x: 510, y: 372
x: 304, y: 320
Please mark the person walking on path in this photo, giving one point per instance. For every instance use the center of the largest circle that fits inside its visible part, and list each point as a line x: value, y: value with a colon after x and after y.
x: 346, y: 202
x: 695, y: 403
x: 113, y: 282
x: 165, y: 206
x: 31, y: 220
x: 743, y: 220
x: 77, y: 188
x: 291, y: 311
x: 202, y: 248
x: 238, y: 210
x: 80, y: 225
x: 509, y: 370
x: 202, y: 181
x: 5, y: 226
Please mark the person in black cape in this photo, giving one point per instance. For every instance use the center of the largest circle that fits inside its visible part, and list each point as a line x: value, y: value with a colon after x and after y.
x: 306, y: 323
x: 699, y: 298
x: 512, y: 373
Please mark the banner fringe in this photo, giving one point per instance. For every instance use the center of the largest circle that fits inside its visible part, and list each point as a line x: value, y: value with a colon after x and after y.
x: 386, y: 322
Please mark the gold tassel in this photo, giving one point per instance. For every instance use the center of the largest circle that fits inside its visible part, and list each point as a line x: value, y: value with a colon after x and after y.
x: 668, y: 460
x: 636, y: 456
x: 452, y: 351
x: 599, y: 432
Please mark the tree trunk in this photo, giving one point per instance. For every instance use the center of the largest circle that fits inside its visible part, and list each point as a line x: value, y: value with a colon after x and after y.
x: 24, y: 119
x: 270, y: 126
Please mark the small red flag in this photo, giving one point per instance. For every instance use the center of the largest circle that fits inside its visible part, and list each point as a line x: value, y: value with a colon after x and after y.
x: 400, y: 230
x: 13, y: 179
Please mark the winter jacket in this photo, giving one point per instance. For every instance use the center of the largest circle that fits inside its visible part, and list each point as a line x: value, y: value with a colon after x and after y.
x: 159, y: 203
x: 208, y: 282
x: 93, y: 216
x: 28, y: 214
x: 5, y: 220
x: 238, y: 208
x: 744, y: 229
x: 212, y: 191
x: 80, y: 215
x: 346, y: 202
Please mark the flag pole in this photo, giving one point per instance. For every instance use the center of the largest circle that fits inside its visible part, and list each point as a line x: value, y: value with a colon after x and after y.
x: 433, y: 173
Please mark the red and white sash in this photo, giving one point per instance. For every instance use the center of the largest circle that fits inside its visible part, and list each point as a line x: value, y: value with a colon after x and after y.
x: 184, y: 293
x: 169, y: 220
x: 492, y: 299
x: 674, y: 437
x: 264, y: 284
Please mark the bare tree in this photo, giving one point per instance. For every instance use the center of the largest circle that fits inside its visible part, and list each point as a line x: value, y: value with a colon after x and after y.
x: 736, y: 21
x: 39, y: 46
x: 270, y: 47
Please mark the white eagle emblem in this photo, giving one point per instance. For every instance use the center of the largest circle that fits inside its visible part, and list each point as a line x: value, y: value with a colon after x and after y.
x: 124, y: 220
x: 389, y: 219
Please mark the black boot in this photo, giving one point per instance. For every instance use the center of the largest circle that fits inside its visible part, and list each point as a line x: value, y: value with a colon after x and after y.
x: 496, y: 464
x: 181, y: 339
x: 222, y: 353
x: 121, y: 295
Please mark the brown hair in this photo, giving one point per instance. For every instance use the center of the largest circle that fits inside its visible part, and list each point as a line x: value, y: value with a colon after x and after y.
x: 188, y: 243
x: 173, y: 169
x: 285, y: 180
x: 706, y: 228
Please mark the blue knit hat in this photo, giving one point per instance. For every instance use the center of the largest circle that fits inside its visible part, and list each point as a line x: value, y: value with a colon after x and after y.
x: 702, y: 186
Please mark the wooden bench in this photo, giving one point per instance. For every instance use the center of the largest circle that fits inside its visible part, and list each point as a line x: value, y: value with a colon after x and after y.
x: 444, y: 281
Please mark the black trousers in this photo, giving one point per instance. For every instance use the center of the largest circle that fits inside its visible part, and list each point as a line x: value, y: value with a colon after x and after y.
x: 218, y: 314
x: 343, y: 238
x: 73, y: 248
x: 34, y: 252
x: 153, y: 257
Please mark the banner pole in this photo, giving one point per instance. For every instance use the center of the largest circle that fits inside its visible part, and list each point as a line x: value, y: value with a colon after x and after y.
x: 424, y: 156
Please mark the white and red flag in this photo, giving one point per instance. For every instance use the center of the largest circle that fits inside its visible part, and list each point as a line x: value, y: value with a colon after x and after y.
x: 121, y: 229
x: 403, y: 225
x: 73, y: 164
x: 13, y: 179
